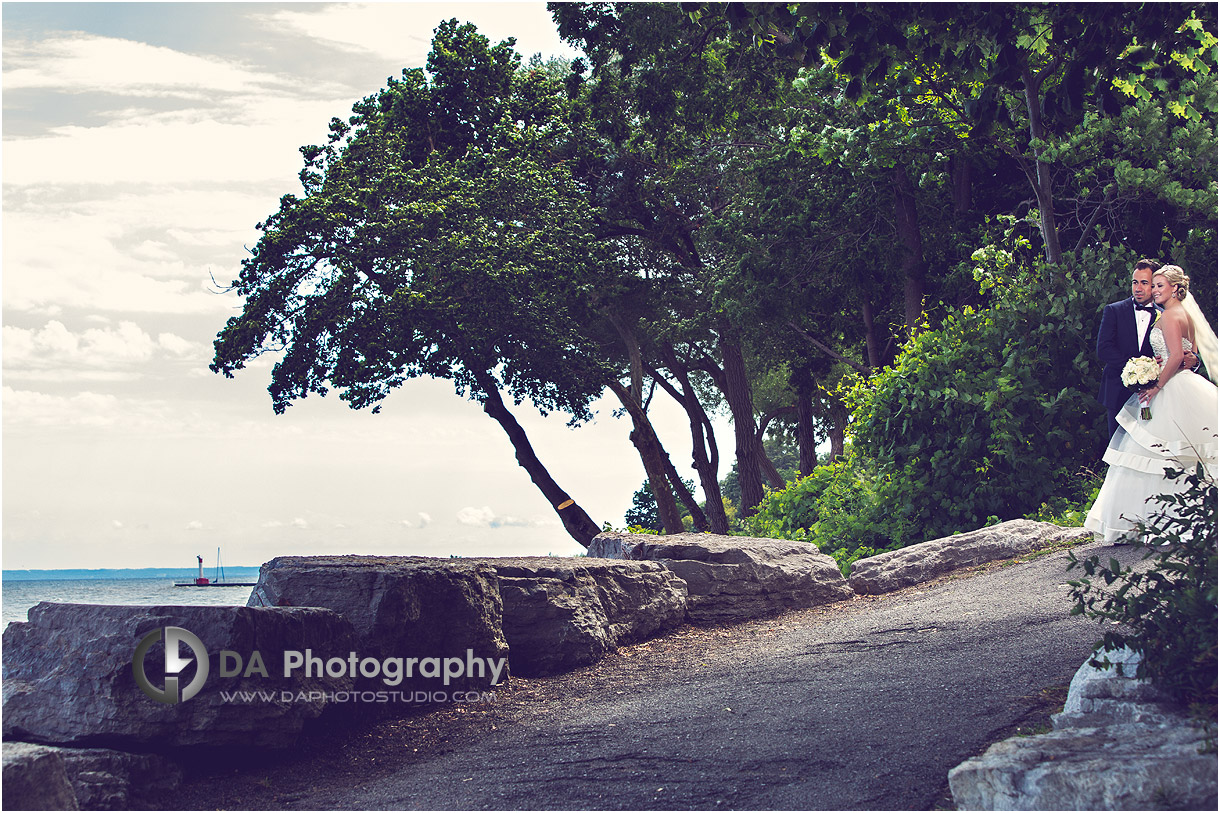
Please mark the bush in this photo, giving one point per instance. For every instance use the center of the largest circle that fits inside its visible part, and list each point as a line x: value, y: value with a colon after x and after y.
x: 841, y: 508
x: 1167, y: 611
x: 994, y: 412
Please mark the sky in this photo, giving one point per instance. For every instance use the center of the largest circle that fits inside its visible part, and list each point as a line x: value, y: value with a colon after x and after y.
x: 142, y: 142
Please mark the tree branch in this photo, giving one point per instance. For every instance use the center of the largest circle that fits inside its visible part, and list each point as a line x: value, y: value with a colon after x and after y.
x: 855, y: 365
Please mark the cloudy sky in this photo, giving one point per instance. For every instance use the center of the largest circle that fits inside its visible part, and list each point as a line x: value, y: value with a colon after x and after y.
x: 142, y: 142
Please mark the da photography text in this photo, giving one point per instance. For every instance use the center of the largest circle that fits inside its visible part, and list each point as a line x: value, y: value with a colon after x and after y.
x: 392, y: 671
x: 302, y: 665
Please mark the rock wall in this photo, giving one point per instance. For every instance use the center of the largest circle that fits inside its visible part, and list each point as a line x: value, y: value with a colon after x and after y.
x: 69, y: 679
x: 398, y: 606
x: 564, y: 612
x: 919, y: 563
x: 735, y: 578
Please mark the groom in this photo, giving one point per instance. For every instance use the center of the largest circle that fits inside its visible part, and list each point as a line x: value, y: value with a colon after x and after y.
x: 1124, y: 332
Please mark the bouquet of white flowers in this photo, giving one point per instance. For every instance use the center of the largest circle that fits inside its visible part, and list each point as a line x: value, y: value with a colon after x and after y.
x: 1141, y: 373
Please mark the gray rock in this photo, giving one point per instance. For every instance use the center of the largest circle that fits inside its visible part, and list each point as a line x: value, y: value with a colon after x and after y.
x: 1133, y: 766
x: 69, y: 677
x: 1112, y: 695
x: 399, y: 606
x: 35, y: 779
x: 118, y: 780
x: 1115, y: 746
x: 735, y: 578
x: 919, y: 563
x: 561, y: 613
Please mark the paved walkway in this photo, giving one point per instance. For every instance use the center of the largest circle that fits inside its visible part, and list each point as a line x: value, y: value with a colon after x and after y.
x: 865, y: 705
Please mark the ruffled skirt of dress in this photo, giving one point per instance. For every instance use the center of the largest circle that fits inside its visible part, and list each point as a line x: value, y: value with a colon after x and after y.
x: 1181, y: 433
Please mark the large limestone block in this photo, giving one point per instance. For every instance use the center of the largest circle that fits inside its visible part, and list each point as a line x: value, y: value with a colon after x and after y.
x: 35, y: 779
x: 1133, y: 766
x: 1116, y: 746
x: 915, y: 564
x: 561, y: 613
x: 1101, y: 695
x: 734, y: 578
x: 69, y: 676
x: 400, y: 606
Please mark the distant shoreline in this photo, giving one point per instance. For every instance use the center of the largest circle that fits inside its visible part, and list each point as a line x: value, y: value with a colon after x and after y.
x: 81, y: 574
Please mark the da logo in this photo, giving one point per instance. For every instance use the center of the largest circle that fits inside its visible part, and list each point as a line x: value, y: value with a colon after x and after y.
x: 174, y: 664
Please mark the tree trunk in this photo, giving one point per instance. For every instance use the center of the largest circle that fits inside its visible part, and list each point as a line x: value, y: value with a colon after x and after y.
x: 871, y: 341
x: 768, y: 468
x: 704, y: 452
x: 1041, y: 179
x: 643, y: 436
x: 838, y: 430
x: 577, y: 523
x: 962, y: 172
x: 906, y: 224
x: 653, y: 456
x: 698, y: 518
x: 741, y: 405
x: 805, y: 441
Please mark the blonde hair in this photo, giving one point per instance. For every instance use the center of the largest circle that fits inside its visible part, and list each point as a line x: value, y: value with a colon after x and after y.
x: 1177, y: 278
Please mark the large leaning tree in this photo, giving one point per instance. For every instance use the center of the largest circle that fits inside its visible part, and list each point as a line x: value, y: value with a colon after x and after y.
x: 439, y: 233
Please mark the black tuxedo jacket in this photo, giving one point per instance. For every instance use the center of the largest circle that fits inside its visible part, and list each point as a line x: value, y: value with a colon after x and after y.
x: 1116, y: 343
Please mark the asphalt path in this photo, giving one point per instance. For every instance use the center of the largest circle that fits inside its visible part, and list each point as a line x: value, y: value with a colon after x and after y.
x: 864, y: 705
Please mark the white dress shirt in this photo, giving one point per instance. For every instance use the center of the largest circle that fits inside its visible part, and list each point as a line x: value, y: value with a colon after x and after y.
x: 1142, y: 320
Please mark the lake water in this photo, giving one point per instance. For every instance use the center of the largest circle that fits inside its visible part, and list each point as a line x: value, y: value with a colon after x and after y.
x: 21, y: 595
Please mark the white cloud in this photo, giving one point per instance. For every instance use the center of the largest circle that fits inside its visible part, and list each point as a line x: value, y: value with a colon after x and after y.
x: 194, y: 525
x: 425, y: 520
x: 113, y: 351
x: 476, y: 516
x: 172, y: 150
x: 486, y: 518
x: 83, y: 63
x: 300, y: 524
x: 382, y: 28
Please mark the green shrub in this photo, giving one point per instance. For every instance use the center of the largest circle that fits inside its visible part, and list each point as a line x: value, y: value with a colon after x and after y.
x: 1167, y: 611
x: 842, y: 508
x: 994, y: 412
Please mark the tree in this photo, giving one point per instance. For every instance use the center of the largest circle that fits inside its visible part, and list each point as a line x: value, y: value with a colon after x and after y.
x: 665, y: 124
x: 1017, y: 76
x: 437, y: 235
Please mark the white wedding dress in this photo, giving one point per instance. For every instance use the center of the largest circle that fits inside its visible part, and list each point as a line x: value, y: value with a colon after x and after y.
x: 1181, y: 433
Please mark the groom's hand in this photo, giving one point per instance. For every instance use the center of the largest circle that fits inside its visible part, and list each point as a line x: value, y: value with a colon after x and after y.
x: 1189, y: 360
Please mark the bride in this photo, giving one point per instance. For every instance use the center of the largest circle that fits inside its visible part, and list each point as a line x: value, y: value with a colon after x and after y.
x: 1182, y: 429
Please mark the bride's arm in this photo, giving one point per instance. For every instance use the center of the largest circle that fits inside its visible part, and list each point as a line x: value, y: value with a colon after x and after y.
x: 1172, y: 328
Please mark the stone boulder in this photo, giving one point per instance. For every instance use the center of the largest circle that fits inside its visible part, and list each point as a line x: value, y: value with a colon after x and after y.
x: 915, y: 564
x: 734, y: 578
x: 118, y: 780
x: 35, y: 779
x: 1111, y: 695
x: 400, y: 606
x: 1116, y: 746
x: 69, y: 676
x: 561, y: 613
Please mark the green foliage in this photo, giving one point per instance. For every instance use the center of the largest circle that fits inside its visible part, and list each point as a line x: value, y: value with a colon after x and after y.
x: 1167, y: 612
x: 993, y: 412
x: 437, y: 236
x: 1066, y: 512
x: 643, y: 510
x: 841, y: 508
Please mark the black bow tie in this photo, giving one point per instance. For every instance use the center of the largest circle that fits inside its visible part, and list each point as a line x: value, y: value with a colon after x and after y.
x: 1149, y: 308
